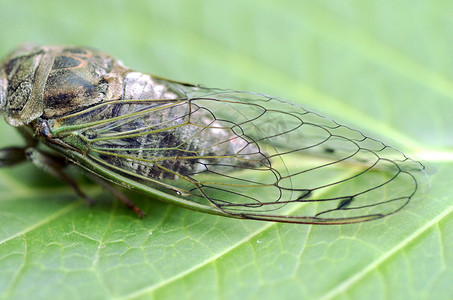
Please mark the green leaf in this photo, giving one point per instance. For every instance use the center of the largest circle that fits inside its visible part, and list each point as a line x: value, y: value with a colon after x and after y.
x: 379, y: 66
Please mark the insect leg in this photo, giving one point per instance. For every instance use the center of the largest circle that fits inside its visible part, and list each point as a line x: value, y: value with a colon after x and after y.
x: 54, y: 165
x: 115, y: 192
x: 15, y: 155
x: 12, y: 156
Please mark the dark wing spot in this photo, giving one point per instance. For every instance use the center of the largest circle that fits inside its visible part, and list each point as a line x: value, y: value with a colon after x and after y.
x: 345, y: 203
x: 329, y: 150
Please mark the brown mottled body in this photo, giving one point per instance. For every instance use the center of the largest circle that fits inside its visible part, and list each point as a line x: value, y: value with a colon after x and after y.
x: 55, y: 80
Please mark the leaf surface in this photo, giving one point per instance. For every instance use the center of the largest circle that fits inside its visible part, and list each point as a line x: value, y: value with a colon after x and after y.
x: 384, y: 69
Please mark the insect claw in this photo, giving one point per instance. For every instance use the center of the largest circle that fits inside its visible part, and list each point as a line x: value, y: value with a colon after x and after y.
x: 128, y: 203
x: 139, y: 212
x: 119, y: 195
x: 89, y: 200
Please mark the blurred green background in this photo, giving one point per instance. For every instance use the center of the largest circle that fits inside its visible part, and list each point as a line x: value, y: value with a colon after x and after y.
x: 381, y: 66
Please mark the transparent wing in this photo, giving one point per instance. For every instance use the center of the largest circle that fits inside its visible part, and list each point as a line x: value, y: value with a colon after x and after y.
x: 247, y: 155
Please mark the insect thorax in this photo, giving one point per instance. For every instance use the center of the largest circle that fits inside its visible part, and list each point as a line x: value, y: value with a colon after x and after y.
x: 51, y: 81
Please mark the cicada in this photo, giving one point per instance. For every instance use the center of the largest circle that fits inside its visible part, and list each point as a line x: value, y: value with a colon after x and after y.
x: 236, y: 154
